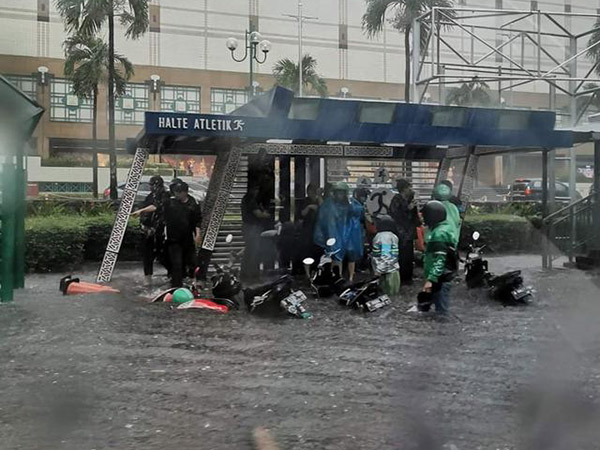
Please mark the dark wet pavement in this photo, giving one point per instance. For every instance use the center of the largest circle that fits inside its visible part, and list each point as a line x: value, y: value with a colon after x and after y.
x: 112, y: 371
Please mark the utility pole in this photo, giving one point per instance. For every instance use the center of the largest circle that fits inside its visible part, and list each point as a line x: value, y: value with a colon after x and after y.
x: 300, y: 17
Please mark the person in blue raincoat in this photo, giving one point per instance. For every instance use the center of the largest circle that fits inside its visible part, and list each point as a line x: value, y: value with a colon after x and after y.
x: 355, y: 237
x: 332, y: 222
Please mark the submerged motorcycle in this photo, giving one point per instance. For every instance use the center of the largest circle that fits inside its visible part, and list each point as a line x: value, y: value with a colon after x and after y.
x: 507, y: 288
x: 476, y: 268
x: 225, y: 283
x: 225, y: 288
x: 326, y: 280
x: 365, y: 295
x: 272, y: 297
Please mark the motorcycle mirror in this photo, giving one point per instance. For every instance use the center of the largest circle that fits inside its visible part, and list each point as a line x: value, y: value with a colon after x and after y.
x: 476, y: 235
x: 308, y: 261
x: 331, y: 242
x: 229, y: 238
x: 269, y: 233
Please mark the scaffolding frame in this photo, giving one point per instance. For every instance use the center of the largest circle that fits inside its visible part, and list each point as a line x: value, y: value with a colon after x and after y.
x: 440, y: 63
x: 431, y: 67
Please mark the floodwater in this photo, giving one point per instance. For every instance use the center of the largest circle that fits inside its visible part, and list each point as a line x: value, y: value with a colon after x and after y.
x: 112, y: 371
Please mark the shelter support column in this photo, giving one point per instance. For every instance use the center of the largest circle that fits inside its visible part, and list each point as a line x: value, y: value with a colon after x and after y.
x: 20, y: 211
x: 546, y: 259
x: 315, y: 171
x: 596, y: 214
x: 284, y: 189
x: 215, y: 205
x: 467, y: 182
x: 120, y: 224
x: 299, y: 182
x: 443, y: 170
x: 7, y: 263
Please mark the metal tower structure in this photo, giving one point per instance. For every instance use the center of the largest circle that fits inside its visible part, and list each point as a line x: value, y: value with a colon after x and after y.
x: 512, y: 51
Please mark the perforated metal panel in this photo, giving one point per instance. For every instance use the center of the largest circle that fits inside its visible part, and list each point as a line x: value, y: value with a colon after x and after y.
x: 421, y: 174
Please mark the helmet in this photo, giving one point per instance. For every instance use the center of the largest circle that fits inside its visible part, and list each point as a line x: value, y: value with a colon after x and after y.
x: 341, y: 186
x: 385, y: 223
x: 442, y: 192
x: 182, y: 295
x: 434, y: 212
x: 156, y: 180
x: 448, y: 183
x: 178, y: 185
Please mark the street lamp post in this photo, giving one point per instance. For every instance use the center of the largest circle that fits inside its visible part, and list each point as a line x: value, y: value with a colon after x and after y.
x: 253, y: 41
x: 301, y: 18
x: 155, y: 83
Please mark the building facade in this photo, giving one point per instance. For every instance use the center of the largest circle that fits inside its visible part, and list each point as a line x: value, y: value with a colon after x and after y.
x: 185, y: 47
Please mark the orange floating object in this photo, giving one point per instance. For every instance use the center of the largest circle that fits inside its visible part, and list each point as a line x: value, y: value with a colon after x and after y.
x: 73, y: 286
x: 204, y: 303
x: 421, y: 239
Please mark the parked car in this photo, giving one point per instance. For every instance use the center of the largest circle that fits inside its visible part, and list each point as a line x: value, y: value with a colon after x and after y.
x: 142, y: 192
x: 197, y: 190
x: 530, y: 190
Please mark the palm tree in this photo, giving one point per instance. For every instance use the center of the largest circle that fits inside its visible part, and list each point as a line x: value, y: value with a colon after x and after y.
x: 287, y: 74
x: 87, y: 18
x: 86, y: 65
x: 403, y: 13
x: 471, y: 93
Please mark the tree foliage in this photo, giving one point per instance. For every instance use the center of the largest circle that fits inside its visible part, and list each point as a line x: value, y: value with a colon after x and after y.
x: 471, y: 93
x: 88, y: 17
x: 401, y: 14
x: 86, y: 65
x: 287, y: 74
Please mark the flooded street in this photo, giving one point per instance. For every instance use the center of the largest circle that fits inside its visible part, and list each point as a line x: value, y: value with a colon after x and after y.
x: 112, y: 371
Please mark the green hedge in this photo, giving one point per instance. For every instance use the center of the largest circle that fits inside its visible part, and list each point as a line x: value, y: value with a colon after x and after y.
x: 502, y: 233
x: 63, y: 242
x: 55, y: 243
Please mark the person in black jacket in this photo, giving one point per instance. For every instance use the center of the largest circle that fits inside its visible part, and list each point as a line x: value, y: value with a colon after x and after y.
x: 403, y: 210
x: 254, y: 221
x: 183, y: 217
x: 153, y: 225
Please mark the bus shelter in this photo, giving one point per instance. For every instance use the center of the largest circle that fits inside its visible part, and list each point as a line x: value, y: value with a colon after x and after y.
x: 303, y: 135
x: 19, y: 116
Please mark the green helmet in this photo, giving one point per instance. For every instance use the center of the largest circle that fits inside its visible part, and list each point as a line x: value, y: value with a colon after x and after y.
x: 182, y: 295
x: 442, y: 192
x: 341, y: 186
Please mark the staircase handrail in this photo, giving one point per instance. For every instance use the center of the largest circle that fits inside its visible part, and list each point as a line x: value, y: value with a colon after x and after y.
x: 564, y: 211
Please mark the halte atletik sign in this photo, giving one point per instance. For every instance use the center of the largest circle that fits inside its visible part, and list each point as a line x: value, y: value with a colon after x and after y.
x: 199, y: 123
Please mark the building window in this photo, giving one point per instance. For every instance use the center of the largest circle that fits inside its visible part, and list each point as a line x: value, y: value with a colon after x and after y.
x: 130, y: 108
x: 65, y: 106
x: 534, y: 5
x: 224, y: 101
x: 498, y: 4
x: 25, y: 83
x: 180, y: 99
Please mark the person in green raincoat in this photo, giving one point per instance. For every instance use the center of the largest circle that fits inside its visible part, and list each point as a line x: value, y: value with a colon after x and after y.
x: 440, y: 261
x: 442, y: 193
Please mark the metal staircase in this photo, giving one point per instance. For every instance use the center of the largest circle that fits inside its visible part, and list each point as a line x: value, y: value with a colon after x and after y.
x: 232, y: 222
x: 570, y: 231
